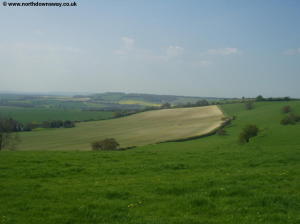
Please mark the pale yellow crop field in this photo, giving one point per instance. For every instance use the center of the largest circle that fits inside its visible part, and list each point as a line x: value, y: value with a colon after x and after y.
x: 143, y: 103
x: 135, y: 130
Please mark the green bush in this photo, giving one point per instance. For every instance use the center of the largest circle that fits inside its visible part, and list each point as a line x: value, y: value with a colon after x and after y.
x: 286, y: 109
x: 248, y: 132
x: 106, y: 144
x: 290, y: 119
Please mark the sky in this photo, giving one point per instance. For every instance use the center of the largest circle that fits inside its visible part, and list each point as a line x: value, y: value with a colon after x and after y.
x: 217, y: 48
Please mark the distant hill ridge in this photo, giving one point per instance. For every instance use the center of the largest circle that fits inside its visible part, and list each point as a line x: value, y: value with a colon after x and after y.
x: 155, y: 98
x: 108, y: 101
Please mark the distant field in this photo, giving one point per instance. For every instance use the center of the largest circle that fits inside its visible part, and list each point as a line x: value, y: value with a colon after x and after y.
x: 66, y: 98
x: 143, y: 103
x: 26, y: 115
x: 109, y: 101
x: 212, y: 180
x: 139, y: 129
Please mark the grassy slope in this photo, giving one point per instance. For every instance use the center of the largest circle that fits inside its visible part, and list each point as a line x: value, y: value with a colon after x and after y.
x: 211, y: 180
x: 27, y: 115
x: 139, y: 129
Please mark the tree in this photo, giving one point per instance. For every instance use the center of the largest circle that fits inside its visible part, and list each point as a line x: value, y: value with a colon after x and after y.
x: 248, y: 132
x: 58, y: 124
x: 106, y: 144
x: 202, y: 103
x: 260, y: 98
x: 8, y: 139
x: 68, y: 124
x: 290, y: 119
x: 166, y: 105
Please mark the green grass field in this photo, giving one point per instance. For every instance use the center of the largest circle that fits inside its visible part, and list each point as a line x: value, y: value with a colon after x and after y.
x: 211, y: 180
x: 26, y: 115
x: 135, y: 130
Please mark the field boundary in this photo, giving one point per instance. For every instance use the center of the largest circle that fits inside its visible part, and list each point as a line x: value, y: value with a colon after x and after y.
x: 212, y: 132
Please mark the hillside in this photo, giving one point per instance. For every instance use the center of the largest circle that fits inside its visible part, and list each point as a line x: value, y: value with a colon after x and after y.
x: 211, y: 180
x: 135, y: 130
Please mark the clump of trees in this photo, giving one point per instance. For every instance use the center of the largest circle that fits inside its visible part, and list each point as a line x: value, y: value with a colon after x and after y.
x: 260, y: 98
x: 58, y: 124
x: 123, y: 113
x: 8, y: 136
x: 199, y: 103
x: 290, y: 119
x: 248, y: 132
x: 16, y: 126
x: 106, y: 144
x: 49, y: 124
x: 166, y: 106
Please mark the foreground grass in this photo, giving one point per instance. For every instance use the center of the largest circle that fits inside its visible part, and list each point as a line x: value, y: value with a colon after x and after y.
x: 212, y: 180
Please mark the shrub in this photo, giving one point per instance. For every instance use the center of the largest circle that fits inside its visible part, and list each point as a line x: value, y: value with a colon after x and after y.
x: 290, y: 119
x: 166, y: 106
x: 202, y: 103
x: 286, y: 109
x: 248, y: 132
x: 68, y: 124
x: 260, y: 98
x: 106, y: 144
x: 58, y: 124
x: 287, y: 120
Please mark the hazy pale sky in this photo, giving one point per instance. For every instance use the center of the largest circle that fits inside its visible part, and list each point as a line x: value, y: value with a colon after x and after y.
x: 220, y: 48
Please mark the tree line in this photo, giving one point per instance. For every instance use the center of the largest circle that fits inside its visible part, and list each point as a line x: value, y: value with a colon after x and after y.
x: 8, y: 130
x: 16, y: 126
x: 10, y: 127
